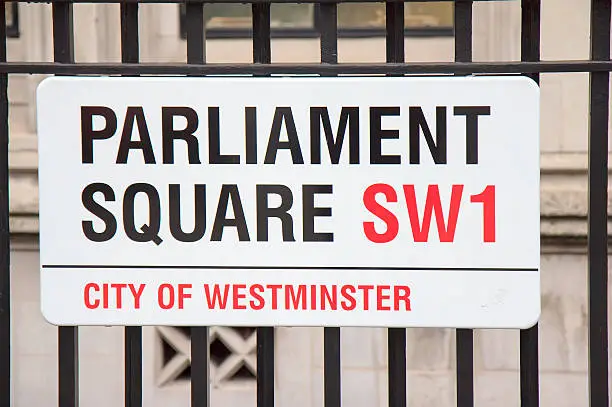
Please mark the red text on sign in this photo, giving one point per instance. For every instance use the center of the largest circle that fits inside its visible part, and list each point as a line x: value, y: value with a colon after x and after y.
x: 113, y: 295
x: 333, y: 297
x: 487, y: 198
x: 169, y: 296
x: 432, y: 208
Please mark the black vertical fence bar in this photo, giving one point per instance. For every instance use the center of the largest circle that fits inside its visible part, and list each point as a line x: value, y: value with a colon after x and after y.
x: 5, y: 276
x: 332, y: 394
x: 129, y: 33
x: 328, y: 20
x: 331, y: 335
x: 196, y: 54
x: 331, y: 367
x: 463, y: 30
x: 196, y: 44
x: 262, y: 53
x: 528, y: 359
x: 598, y: 207
x: 200, y: 395
x: 394, y: 31
x: 68, y: 340
x: 265, y: 367
x: 464, y: 337
x: 133, y: 334
x: 396, y: 337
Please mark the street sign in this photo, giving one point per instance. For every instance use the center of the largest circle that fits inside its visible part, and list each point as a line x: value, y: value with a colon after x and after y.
x: 361, y: 201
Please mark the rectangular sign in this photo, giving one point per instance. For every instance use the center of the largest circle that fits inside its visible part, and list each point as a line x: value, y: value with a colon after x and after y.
x: 370, y: 201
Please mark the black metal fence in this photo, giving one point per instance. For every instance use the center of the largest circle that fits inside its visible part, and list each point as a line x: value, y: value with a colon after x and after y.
x: 598, y: 68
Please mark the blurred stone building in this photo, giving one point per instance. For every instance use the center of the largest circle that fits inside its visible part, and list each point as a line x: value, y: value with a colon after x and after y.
x: 299, y: 360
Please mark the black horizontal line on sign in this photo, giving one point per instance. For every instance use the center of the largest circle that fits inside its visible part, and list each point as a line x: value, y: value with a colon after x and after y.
x: 212, y: 267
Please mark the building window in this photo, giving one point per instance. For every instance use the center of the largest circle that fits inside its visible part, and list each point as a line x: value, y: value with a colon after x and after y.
x: 301, y: 20
x: 12, y: 19
x: 233, y: 358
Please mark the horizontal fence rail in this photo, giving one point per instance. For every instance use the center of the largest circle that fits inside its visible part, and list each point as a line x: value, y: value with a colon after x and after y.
x: 429, y: 68
x: 598, y: 66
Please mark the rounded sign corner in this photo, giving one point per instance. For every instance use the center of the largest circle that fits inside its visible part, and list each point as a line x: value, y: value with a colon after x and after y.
x: 531, y: 83
x: 50, y: 318
x: 532, y: 323
x: 46, y: 82
x: 533, y: 318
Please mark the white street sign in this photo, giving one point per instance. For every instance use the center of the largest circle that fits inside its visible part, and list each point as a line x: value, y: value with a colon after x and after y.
x: 371, y: 201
